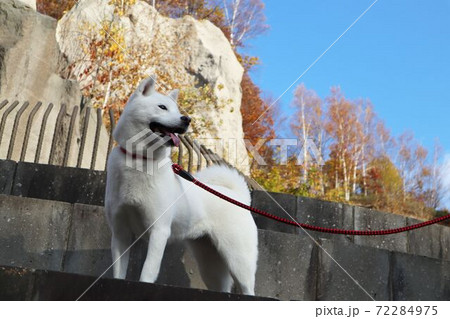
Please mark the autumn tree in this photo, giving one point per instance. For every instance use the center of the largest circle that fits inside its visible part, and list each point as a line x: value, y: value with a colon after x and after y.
x: 383, y: 139
x: 308, y: 124
x: 365, y: 143
x: 421, y: 170
x: 364, y: 164
x: 342, y: 126
x: 417, y: 176
x: 245, y: 20
x: 405, y: 160
x: 385, y: 185
x: 436, y: 188
x: 257, y: 130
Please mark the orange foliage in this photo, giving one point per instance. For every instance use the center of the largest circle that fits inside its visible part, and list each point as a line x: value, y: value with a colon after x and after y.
x: 252, y: 106
x: 54, y: 8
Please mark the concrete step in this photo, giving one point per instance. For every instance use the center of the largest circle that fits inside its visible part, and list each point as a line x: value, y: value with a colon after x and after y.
x: 45, y: 285
x: 74, y: 238
x: 75, y: 185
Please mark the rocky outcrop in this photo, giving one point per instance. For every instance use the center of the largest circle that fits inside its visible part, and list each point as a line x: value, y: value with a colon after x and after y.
x: 30, y: 60
x: 30, y: 70
x: 30, y: 3
x: 209, y: 59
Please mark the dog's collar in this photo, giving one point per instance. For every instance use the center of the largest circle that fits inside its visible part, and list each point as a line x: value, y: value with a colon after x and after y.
x: 133, y: 155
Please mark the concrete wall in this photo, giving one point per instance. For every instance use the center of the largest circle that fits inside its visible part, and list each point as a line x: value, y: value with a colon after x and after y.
x: 84, y: 186
x: 75, y: 238
x: 431, y: 241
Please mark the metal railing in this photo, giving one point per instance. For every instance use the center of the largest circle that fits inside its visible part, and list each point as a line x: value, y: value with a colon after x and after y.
x: 93, y: 139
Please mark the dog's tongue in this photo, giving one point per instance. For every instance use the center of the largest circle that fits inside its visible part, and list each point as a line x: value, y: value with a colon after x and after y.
x: 175, y: 139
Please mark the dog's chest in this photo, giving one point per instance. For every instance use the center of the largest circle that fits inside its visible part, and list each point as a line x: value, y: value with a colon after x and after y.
x: 140, y: 189
x: 146, y: 198
x: 147, y: 195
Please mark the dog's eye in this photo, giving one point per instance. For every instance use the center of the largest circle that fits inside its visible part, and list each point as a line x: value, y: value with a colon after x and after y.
x: 162, y: 107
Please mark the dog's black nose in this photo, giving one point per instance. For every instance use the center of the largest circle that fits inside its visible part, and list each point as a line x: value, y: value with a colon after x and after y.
x: 186, y: 119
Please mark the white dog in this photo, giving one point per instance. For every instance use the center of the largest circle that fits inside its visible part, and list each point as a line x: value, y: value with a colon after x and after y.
x: 143, y: 193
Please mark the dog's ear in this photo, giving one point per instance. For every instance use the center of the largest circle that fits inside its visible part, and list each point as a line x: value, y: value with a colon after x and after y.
x: 174, y: 94
x: 147, y: 86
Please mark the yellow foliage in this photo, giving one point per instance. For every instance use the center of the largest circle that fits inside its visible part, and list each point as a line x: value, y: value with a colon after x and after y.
x: 114, y: 69
x: 121, y: 6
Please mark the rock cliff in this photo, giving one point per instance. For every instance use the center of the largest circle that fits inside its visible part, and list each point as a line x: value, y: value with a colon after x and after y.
x: 208, y: 59
x: 30, y: 59
x: 30, y: 3
x: 36, y: 52
x: 31, y: 68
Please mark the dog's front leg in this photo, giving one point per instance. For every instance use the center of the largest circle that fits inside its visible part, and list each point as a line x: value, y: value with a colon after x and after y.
x: 120, y: 242
x: 156, y: 246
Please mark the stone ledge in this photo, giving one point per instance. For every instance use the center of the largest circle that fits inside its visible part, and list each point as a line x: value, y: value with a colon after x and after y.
x: 44, y: 285
x: 352, y: 272
x: 65, y: 184
x: 419, y: 278
x: 33, y: 232
x: 7, y: 171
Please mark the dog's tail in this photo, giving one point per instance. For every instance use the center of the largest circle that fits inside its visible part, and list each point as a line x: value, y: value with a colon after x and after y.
x: 226, y: 177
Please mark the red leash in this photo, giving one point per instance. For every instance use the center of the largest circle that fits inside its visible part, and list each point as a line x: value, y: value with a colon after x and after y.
x: 182, y: 173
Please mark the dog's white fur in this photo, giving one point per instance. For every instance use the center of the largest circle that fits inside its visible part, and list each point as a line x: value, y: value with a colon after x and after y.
x: 223, y: 237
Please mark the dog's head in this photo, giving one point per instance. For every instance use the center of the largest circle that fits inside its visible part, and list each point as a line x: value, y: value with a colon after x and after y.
x: 153, y: 113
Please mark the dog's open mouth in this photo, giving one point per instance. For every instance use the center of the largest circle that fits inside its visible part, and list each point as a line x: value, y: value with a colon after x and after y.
x: 171, y: 132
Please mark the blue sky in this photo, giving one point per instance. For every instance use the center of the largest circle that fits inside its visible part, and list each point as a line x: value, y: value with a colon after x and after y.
x: 397, y: 54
